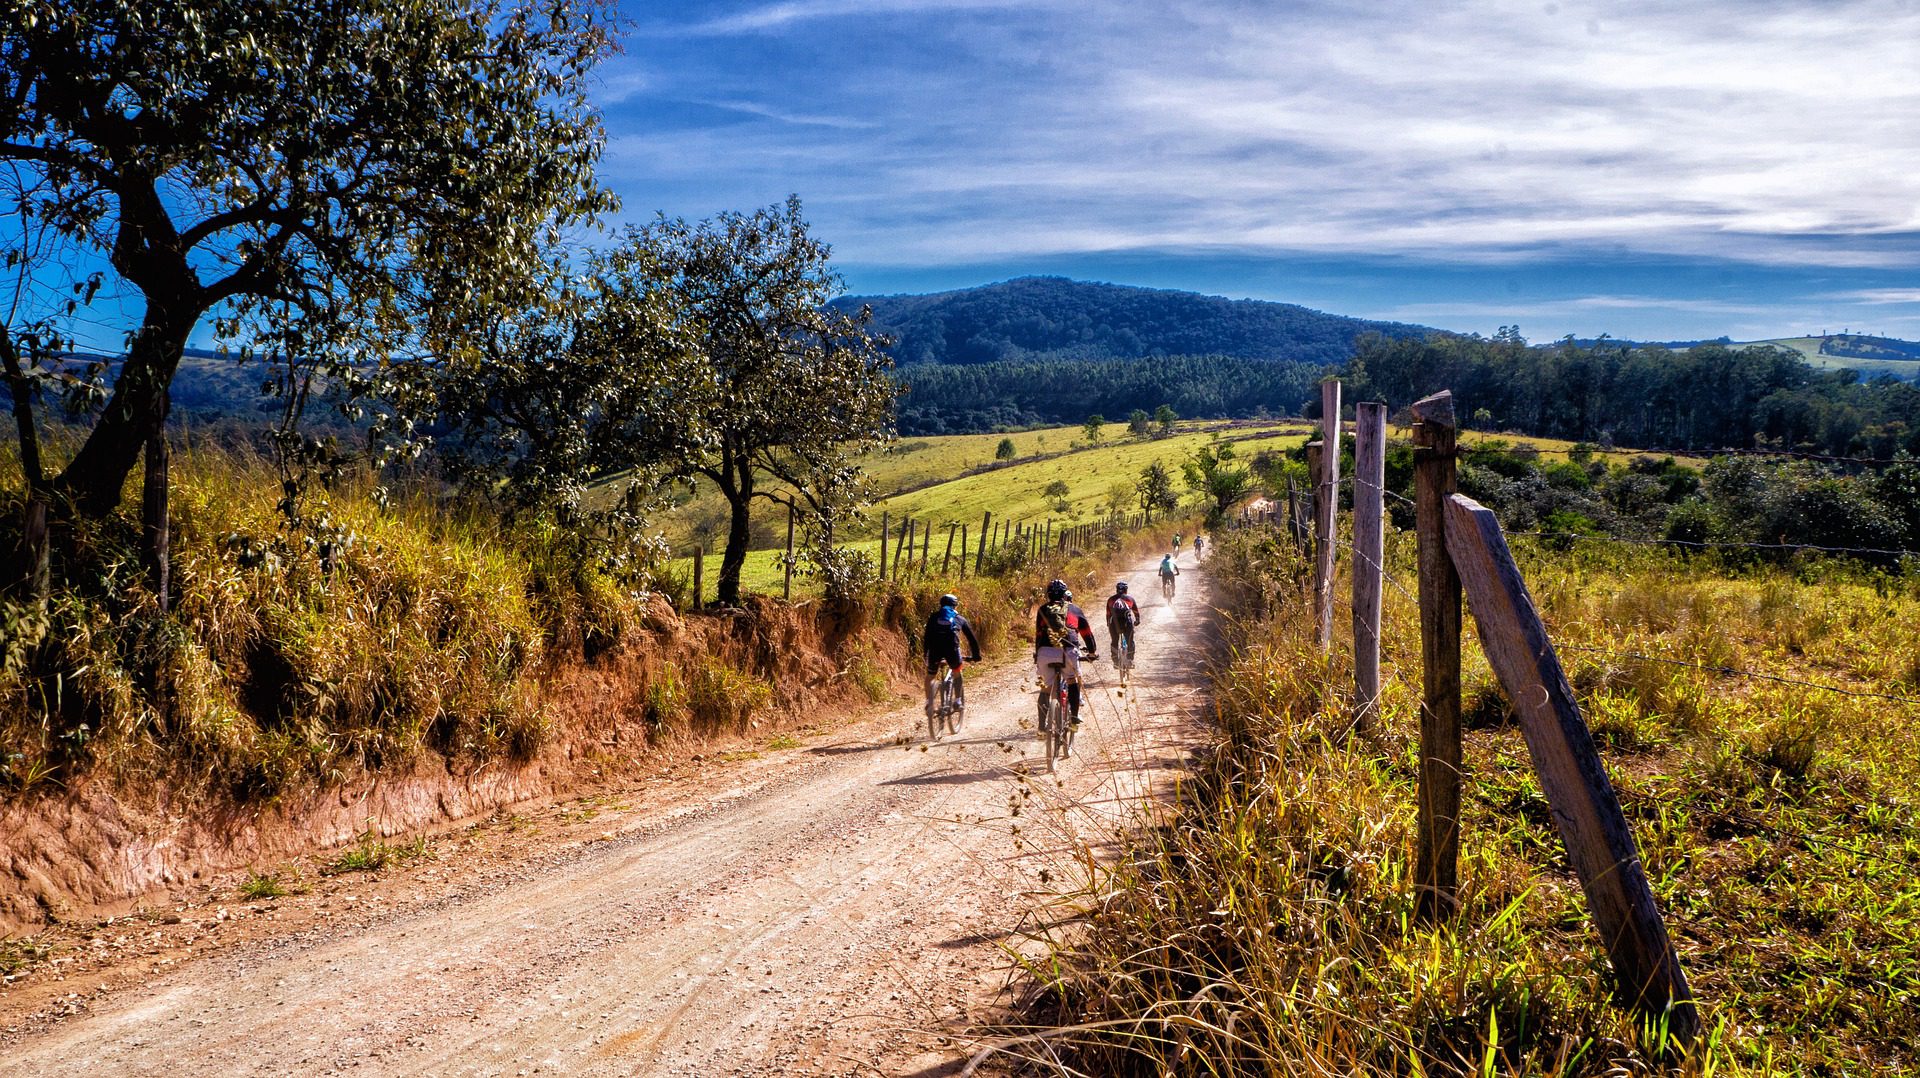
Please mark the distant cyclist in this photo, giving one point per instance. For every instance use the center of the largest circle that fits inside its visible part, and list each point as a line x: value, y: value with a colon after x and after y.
x: 1169, y: 570
x: 1176, y: 544
x: 944, y: 630
x: 1123, y: 614
x: 1055, y: 626
x: 1199, y: 545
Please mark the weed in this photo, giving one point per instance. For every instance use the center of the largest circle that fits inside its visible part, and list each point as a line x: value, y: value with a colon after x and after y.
x: 18, y: 954
x: 268, y: 885
x: 372, y: 853
x: 867, y: 674
x: 781, y: 742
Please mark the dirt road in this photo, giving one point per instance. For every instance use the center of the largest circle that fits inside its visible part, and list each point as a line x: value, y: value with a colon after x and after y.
x: 846, y: 911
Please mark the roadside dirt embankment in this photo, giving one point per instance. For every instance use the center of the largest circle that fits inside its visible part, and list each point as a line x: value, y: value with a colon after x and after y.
x: 104, y: 845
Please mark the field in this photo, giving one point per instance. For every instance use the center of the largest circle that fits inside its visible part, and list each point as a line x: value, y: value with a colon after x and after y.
x: 926, y: 479
x: 1267, y: 928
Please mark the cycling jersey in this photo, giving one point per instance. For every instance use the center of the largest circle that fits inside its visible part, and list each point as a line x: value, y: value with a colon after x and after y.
x: 1168, y: 568
x: 944, y: 631
x: 1122, y: 609
x: 1056, y: 624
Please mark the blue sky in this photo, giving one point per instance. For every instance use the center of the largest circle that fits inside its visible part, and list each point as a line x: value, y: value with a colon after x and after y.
x: 1653, y: 170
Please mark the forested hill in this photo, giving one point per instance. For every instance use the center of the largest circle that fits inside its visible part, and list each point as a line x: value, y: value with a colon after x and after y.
x: 1056, y: 318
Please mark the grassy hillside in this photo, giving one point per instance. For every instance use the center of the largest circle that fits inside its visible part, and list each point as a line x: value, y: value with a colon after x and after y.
x: 1809, y: 348
x: 924, y: 478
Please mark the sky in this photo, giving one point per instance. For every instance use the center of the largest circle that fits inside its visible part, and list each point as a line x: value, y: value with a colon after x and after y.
x: 1656, y: 170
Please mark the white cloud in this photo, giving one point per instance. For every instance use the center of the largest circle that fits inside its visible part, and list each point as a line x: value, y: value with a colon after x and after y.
x: 776, y: 16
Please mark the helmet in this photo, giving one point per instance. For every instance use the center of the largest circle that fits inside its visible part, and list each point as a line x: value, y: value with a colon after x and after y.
x: 950, y: 599
x: 1057, y: 591
x: 1120, y: 588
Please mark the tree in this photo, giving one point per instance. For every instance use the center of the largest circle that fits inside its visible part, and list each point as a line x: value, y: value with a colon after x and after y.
x: 1166, y: 417
x: 567, y: 400
x: 1139, y: 422
x: 1056, y: 491
x: 1005, y: 450
x: 305, y: 173
x: 1156, y: 489
x: 1092, y: 427
x: 1211, y: 473
x: 783, y: 387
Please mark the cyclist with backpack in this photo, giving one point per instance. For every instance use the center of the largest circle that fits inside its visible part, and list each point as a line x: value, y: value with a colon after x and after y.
x: 1123, y: 615
x: 1055, y: 626
x: 1169, y: 569
x: 942, y: 636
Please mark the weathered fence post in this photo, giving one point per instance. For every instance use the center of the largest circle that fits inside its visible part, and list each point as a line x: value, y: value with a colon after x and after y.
x: 926, y: 546
x: 1326, y: 510
x: 156, y: 526
x: 786, y: 584
x: 946, y: 556
x: 1436, y: 868
x: 905, y: 544
x: 1369, y: 553
x: 885, y: 525
x: 1293, y: 515
x: 980, y: 560
x: 699, y: 575
x: 963, y: 550
x: 1594, y: 830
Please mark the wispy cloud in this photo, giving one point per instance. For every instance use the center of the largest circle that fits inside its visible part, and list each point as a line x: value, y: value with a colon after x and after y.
x: 944, y: 132
x: 1877, y: 297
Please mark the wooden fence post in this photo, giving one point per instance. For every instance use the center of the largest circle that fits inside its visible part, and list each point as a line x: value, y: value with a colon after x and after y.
x: 946, y: 556
x: 786, y: 585
x: 155, y: 522
x: 980, y: 560
x: 35, y: 553
x: 699, y: 574
x: 885, y: 526
x: 1326, y: 509
x: 1293, y: 514
x: 1595, y: 831
x: 1436, y: 868
x: 926, y: 546
x: 963, y: 551
x: 905, y: 544
x: 1369, y: 553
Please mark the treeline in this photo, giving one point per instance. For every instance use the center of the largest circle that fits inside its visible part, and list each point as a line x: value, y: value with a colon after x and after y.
x: 943, y: 399
x: 1052, y: 317
x: 1707, y: 397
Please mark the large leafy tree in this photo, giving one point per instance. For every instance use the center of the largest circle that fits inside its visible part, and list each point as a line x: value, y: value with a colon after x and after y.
x: 1212, y: 473
x: 300, y: 171
x: 788, y: 390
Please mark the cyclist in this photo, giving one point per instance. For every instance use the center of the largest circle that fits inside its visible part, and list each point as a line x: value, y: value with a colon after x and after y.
x: 1199, y: 545
x: 1054, y: 627
x: 1169, y: 569
x: 1176, y: 544
x: 1123, y: 614
x: 942, y: 636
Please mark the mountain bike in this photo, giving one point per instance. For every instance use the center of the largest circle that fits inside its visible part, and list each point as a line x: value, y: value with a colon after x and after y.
x: 948, y: 705
x: 1167, y: 585
x: 1123, y: 654
x: 1056, y: 724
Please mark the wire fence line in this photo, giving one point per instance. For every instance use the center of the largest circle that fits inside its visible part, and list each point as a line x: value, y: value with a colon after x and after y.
x: 1715, y: 544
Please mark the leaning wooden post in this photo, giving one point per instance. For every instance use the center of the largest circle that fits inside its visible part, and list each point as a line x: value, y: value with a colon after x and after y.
x: 946, y: 556
x: 885, y: 525
x: 1436, y: 868
x: 926, y: 546
x: 786, y: 584
x: 1293, y: 514
x: 1326, y: 508
x: 699, y: 575
x: 1369, y: 552
x: 1599, y: 843
x: 156, y: 527
x: 905, y: 544
x: 980, y: 559
x: 963, y: 550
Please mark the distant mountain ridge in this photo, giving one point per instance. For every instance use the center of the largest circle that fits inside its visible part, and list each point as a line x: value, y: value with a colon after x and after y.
x: 1058, y: 318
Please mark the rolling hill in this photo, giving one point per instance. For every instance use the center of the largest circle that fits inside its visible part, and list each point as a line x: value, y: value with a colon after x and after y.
x: 1057, y: 318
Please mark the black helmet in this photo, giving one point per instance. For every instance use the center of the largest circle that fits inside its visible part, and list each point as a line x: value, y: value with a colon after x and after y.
x: 950, y: 599
x: 1120, y: 588
x: 1056, y: 591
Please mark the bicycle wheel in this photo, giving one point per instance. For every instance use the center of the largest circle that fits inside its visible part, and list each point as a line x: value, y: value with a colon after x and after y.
x: 936, y: 713
x: 1050, y: 726
x: 956, y: 707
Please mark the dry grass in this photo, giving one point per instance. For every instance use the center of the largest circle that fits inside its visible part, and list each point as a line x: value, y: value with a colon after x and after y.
x: 1265, y: 926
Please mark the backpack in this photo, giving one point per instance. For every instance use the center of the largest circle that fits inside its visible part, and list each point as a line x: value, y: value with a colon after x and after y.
x: 1057, y: 622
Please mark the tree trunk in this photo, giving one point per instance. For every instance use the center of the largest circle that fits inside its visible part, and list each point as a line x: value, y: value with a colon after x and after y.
x: 739, y: 493
x: 21, y: 390
x: 153, y: 509
x: 98, y: 473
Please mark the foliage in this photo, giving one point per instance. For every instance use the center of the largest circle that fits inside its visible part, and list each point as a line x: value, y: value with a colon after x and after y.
x: 786, y: 390
x: 1004, y: 451
x: 1211, y: 473
x: 1138, y: 422
x: 1155, y: 490
x: 312, y: 174
x: 1093, y: 426
x: 1165, y: 417
x: 948, y: 398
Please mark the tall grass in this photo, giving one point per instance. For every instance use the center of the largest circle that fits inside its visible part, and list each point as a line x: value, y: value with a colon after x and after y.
x: 1265, y: 925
